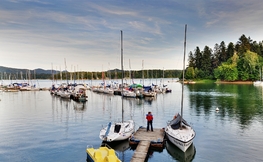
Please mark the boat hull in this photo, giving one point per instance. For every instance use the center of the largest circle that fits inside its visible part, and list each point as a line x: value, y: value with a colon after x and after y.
x: 180, y: 144
x: 180, y: 133
x: 117, y: 131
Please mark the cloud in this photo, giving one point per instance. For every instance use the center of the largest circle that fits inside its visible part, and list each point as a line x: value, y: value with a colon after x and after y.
x: 153, y: 30
x: 113, y: 10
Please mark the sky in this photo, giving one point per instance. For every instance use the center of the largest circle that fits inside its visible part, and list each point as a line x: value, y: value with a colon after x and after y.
x: 85, y: 35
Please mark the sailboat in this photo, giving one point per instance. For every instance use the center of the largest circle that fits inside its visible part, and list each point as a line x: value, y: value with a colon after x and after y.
x: 118, y: 131
x: 178, y: 131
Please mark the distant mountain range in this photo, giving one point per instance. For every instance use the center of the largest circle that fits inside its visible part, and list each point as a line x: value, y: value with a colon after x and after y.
x: 9, y: 70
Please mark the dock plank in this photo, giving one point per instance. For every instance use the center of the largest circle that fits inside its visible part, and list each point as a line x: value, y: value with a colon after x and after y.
x: 156, y: 137
x: 141, y: 151
x: 144, y: 139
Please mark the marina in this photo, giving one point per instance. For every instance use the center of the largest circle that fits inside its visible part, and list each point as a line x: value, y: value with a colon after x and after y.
x: 38, y: 126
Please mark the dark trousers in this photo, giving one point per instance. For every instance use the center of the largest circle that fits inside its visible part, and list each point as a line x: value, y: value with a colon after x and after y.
x: 150, y: 123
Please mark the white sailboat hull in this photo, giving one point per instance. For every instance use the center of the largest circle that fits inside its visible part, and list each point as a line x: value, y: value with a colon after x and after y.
x: 108, y: 91
x: 182, y: 137
x: 65, y: 94
x: 177, y: 140
x: 117, y: 131
x: 129, y: 94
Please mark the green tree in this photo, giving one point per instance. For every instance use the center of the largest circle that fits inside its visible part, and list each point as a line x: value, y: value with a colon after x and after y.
x: 261, y: 49
x: 247, y: 66
x: 191, y: 60
x: 190, y: 73
x: 206, y: 62
x: 244, y: 44
x: 215, y: 57
x: 227, y: 72
x: 230, y: 50
x: 223, y: 54
x: 198, y: 58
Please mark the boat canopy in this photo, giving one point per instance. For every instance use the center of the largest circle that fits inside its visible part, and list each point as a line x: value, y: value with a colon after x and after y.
x: 136, y: 86
x: 147, y: 88
x: 79, y: 87
x: 175, y: 123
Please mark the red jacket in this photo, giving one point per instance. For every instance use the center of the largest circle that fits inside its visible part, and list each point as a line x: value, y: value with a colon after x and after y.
x: 149, y: 117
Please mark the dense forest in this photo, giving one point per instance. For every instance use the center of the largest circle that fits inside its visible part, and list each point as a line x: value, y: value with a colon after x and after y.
x: 235, y: 62
x: 117, y: 74
x: 25, y: 74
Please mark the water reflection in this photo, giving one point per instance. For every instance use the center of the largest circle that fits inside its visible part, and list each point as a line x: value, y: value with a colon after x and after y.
x: 239, y: 102
x: 65, y: 127
x: 120, y: 148
x: 178, y: 154
x: 80, y: 106
x: 149, y: 100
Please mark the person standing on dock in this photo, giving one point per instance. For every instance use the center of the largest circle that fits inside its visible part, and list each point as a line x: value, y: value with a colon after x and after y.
x: 149, y: 118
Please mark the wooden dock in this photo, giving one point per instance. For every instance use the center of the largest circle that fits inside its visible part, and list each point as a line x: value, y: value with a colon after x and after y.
x: 144, y: 140
x: 141, y: 151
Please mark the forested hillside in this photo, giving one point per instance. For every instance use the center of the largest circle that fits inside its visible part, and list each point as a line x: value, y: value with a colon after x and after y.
x: 18, y: 74
x: 241, y: 61
x: 14, y: 73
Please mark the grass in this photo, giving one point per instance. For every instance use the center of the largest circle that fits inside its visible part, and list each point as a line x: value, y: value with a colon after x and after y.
x: 205, y: 81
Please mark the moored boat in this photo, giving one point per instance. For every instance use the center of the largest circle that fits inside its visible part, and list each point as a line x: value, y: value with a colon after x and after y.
x: 181, y: 136
x: 122, y: 130
x: 117, y: 131
x: 79, y: 94
x: 102, y: 154
x: 178, y: 131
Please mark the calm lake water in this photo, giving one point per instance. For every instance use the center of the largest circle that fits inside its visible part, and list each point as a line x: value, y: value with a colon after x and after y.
x: 36, y: 126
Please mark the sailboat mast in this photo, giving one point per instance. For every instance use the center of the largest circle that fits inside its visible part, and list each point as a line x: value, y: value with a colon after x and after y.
x: 66, y: 70
x: 130, y: 70
x: 183, y: 77
x: 122, y: 76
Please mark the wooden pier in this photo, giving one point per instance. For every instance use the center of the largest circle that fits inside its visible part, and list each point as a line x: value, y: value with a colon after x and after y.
x: 144, y: 140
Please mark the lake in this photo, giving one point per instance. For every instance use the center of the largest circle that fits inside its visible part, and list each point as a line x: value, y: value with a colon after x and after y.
x: 37, y: 126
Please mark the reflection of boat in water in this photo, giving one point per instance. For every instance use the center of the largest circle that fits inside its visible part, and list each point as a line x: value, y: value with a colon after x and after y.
x: 79, y: 106
x: 178, y: 154
x: 149, y: 99
x: 120, y: 148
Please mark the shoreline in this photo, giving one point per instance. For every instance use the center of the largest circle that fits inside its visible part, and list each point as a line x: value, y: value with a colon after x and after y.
x: 234, y: 82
